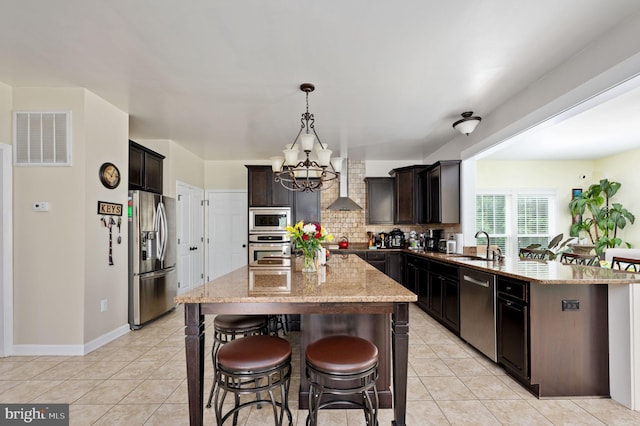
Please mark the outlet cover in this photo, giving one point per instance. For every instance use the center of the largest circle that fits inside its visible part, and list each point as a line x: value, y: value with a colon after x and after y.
x: 104, y: 305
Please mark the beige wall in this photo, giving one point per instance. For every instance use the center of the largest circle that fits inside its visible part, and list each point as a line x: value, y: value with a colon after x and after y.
x: 623, y: 168
x: 561, y: 176
x: 6, y: 106
x: 107, y: 132
x: 60, y: 256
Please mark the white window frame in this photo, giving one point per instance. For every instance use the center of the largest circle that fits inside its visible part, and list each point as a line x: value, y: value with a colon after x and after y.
x: 511, y: 213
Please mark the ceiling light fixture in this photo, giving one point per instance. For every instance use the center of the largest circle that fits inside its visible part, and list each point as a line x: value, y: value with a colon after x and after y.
x: 309, y: 174
x: 468, y: 123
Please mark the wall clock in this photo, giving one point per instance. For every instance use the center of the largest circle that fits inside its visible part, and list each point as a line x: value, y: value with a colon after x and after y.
x: 109, y: 175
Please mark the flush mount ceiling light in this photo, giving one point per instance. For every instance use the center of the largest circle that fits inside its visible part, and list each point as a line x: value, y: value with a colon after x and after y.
x: 311, y: 173
x: 468, y: 123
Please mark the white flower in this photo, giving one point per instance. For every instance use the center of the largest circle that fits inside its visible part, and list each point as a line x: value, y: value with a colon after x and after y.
x: 309, y: 228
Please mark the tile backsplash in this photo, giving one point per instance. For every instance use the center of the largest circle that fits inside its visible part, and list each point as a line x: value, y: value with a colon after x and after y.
x: 352, y: 224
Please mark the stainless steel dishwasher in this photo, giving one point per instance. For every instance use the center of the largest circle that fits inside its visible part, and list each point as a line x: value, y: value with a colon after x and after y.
x: 478, y: 311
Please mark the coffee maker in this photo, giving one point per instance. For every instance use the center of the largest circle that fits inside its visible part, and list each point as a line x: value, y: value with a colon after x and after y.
x: 432, y: 238
x: 396, y: 238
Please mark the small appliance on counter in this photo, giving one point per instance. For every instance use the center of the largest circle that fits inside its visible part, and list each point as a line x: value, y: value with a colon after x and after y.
x: 432, y: 239
x: 396, y: 238
x: 343, y: 243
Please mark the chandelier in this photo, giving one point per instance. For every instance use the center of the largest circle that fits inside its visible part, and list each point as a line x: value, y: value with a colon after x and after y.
x: 310, y: 174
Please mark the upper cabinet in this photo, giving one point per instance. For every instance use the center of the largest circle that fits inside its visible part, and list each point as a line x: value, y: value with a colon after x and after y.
x: 441, y: 197
x: 306, y: 206
x: 264, y: 191
x: 145, y: 168
x: 380, y: 200
x: 408, y: 194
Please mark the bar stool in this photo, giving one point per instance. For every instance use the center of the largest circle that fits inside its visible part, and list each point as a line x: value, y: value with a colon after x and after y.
x: 342, y: 365
x: 229, y: 327
x: 253, y: 365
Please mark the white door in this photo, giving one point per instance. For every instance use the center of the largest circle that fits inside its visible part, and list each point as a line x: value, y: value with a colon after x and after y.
x: 227, y: 227
x: 190, y: 235
x: 6, y: 274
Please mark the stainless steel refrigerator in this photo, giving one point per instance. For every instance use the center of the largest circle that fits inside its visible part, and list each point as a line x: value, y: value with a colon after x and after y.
x: 153, y: 279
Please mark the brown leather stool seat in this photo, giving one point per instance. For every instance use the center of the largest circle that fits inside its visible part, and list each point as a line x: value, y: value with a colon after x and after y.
x: 253, y: 365
x: 342, y: 365
x: 227, y: 328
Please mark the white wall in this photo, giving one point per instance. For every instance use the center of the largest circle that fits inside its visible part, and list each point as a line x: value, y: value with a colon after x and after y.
x: 608, y: 61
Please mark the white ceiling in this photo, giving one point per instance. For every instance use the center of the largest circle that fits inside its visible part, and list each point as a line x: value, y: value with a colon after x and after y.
x: 222, y: 78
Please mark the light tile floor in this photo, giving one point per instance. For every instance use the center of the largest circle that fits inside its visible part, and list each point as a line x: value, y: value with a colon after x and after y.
x: 139, y: 379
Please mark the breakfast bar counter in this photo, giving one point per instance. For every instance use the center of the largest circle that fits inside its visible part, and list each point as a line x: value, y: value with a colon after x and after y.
x: 347, y: 285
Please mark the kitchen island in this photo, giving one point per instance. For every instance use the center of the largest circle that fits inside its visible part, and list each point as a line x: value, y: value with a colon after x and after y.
x: 561, y: 330
x: 346, y: 286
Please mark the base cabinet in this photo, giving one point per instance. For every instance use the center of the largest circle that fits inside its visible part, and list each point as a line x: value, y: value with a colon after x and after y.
x: 512, y: 326
x: 416, y: 271
x: 554, y: 338
x: 443, y: 295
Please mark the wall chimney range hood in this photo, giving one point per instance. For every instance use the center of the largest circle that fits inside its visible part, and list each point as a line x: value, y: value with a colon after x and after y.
x: 343, y: 202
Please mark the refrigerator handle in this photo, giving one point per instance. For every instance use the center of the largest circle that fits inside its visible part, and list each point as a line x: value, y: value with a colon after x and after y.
x: 163, y: 231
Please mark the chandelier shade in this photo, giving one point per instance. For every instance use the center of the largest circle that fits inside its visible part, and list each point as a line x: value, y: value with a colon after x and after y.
x: 315, y: 172
x: 467, y: 124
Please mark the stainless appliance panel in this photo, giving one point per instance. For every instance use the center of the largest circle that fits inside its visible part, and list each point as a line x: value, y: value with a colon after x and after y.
x: 153, y: 295
x: 269, y: 219
x: 478, y: 311
x: 152, y: 256
x: 270, y: 238
x: 260, y: 250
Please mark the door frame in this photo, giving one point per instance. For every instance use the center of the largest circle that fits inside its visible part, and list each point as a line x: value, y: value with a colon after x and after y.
x: 6, y: 258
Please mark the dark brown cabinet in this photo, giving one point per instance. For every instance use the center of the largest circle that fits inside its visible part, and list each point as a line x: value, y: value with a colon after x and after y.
x: 395, y: 265
x: 145, y: 168
x: 408, y: 194
x: 442, y: 295
x: 378, y: 259
x: 306, y: 207
x: 512, y: 322
x: 441, y: 195
x: 264, y: 191
x: 416, y: 270
x: 554, y: 338
x: 380, y: 200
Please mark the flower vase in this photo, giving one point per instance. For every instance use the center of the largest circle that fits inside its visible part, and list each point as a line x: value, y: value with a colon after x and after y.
x: 309, y: 264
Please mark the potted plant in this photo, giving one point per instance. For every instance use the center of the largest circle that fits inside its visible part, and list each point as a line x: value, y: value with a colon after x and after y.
x: 604, y: 218
x: 555, y: 247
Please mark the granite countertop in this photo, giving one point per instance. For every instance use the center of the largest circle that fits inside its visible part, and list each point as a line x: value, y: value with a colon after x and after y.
x: 345, y: 279
x: 535, y: 271
x: 539, y: 271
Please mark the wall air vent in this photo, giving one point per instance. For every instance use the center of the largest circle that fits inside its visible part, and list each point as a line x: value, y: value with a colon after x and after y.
x: 42, y: 138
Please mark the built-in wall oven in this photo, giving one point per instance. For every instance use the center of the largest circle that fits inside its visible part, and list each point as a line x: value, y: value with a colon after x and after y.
x: 273, y: 244
x: 269, y: 219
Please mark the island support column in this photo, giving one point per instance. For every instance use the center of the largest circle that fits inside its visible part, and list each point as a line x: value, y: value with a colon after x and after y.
x: 194, y: 344
x: 400, y: 351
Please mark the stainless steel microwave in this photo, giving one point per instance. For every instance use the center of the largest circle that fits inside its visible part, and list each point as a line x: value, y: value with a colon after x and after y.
x: 269, y: 219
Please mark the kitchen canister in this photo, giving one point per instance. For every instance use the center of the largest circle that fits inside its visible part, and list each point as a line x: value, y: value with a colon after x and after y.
x: 459, y: 243
x: 451, y: 246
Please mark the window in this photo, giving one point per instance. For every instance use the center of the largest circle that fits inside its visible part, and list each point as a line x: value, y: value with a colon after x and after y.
x: 515, y: 220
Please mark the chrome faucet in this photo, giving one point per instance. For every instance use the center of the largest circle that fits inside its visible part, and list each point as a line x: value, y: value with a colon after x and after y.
x: 488, y: 243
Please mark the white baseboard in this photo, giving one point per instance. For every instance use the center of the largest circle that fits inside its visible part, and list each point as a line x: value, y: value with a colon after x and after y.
x: 69, y: 350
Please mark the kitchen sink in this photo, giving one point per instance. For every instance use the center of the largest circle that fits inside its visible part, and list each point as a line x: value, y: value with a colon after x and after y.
x: 465, y: 257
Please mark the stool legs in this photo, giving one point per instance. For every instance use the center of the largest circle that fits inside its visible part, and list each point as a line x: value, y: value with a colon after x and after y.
x: 321, y: 383
x: 222, y: 336
x: 240, y: 383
